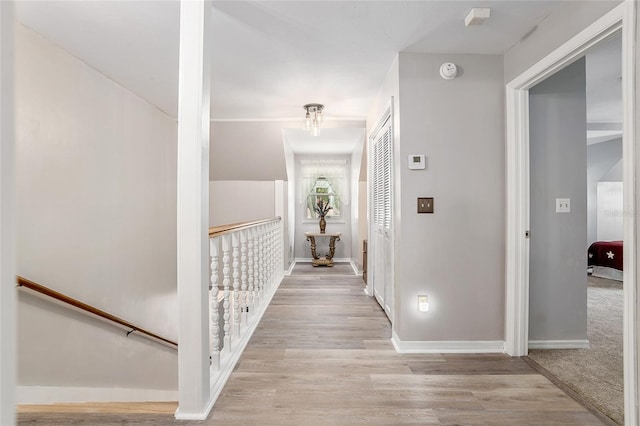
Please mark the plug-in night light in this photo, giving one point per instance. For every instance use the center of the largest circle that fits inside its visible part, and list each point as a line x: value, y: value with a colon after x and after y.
x: 423, y: 303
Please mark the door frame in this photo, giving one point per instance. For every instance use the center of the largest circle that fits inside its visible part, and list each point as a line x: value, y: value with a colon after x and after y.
x: 621, y: 18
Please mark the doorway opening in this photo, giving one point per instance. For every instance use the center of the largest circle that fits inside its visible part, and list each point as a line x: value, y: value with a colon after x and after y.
x: 576, y: 224
x: 518, y: 268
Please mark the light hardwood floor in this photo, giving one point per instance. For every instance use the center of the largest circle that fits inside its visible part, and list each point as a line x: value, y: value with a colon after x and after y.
x: 322, y: 356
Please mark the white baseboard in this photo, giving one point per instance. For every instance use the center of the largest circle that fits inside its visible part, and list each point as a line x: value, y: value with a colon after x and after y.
x: 288, y: 271
x: 309, y: 260
x: 454, y: 347
x: 70, y: 394
x: 559, y: 344
x: 335, y: 259
x: 355, y: 268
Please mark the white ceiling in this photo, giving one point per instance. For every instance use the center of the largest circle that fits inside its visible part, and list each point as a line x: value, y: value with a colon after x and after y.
x: 134, y: 43
x: 270, y: 58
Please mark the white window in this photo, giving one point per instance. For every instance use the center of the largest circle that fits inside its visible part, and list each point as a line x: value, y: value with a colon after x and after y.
x: 324, y: 180
x: 321, y: 199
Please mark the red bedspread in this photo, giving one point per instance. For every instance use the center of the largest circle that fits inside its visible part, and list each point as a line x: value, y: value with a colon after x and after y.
x: 606, y: 253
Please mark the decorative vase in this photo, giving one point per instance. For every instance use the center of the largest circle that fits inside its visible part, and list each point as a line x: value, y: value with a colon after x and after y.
x: 323, y: 224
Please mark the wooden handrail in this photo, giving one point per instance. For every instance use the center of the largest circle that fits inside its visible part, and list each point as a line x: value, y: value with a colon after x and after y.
x: 23, y: 282
x: 216, y: 231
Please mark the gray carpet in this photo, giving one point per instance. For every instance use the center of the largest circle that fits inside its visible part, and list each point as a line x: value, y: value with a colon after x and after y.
x: 596, y: 374
x: 338, y: 268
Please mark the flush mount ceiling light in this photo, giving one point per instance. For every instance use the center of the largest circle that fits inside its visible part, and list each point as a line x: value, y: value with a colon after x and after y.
x: 477, y: 16
x: 313, y: 118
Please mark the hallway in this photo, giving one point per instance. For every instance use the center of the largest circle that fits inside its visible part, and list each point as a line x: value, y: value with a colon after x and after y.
x: 322, y: 356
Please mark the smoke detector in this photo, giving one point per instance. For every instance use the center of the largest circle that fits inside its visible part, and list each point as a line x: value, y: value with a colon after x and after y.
x: 477, y: 16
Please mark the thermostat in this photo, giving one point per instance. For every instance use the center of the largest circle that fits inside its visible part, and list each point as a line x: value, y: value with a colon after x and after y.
x: 416, y: 162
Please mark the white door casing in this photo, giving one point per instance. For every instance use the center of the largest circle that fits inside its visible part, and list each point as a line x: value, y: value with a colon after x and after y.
x: 621, y: 18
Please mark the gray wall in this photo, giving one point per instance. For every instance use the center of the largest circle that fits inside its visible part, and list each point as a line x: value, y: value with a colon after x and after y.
x: 564, y: 22
x: 253, y: 150
x: 601, y: 158
x: 558, y: 169
x: 456, y: 256
x: 250, y: 150
x: 240, y: 201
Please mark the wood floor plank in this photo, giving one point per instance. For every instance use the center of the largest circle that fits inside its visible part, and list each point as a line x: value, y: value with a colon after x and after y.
x: 322, y: 356
x: 102, y: 407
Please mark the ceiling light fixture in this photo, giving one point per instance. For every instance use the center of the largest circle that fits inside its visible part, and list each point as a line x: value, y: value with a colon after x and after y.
x: 313, y: 118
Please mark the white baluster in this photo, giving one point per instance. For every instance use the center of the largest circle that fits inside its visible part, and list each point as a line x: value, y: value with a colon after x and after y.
x: 225, y: 284
x: 273, y: 256
x: 260, y: 265
x: 263, y: 276
x: 279, y: 262
x: 243, y: 276
x: 281, y: 250
x: 250, y: 271
x: 214, y: 327
x: 267, y: 258
x: 256, y: 266
x: 236, y: 283
x: 267, y: 262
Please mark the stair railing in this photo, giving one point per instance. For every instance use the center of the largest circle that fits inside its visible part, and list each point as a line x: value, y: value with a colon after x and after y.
x: 246, y: 269
x: 92, y: 310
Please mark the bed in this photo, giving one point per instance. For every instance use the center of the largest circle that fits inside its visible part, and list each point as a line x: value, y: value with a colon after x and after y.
x: 605, y: 259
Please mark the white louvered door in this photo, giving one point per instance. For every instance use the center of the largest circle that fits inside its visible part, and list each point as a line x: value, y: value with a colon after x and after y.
x: 382, y: 209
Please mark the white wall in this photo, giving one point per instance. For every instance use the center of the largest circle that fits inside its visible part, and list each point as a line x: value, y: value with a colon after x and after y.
x: 610, y: 211
x: 456, y: 255
x: 601, y: 159
x: 96, y: 208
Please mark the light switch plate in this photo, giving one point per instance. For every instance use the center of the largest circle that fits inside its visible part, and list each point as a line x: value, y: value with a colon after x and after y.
x: 425, y: 205
x: 563, y: 205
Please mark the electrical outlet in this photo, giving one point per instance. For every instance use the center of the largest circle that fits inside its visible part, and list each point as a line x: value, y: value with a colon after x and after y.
x: 563, y: 205
x: 425, y: 205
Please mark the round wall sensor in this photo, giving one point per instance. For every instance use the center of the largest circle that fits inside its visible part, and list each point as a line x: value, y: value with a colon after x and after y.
x: 448, y: 71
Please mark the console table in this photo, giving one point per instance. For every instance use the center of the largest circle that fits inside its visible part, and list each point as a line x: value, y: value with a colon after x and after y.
x: 328, y: 260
